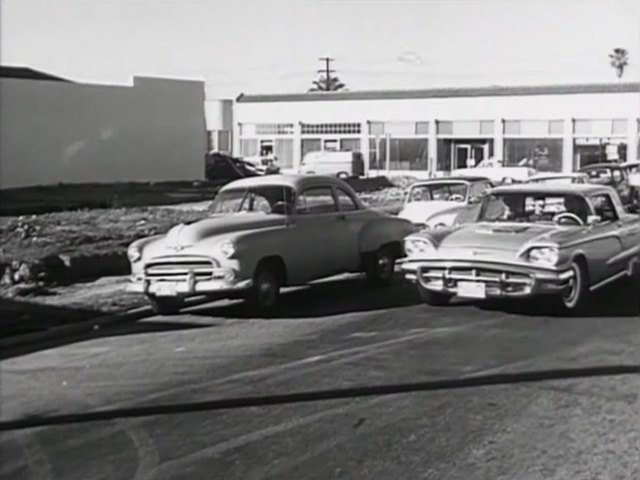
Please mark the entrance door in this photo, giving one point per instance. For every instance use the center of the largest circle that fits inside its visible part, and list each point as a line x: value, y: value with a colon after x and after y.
x: 461, y: 155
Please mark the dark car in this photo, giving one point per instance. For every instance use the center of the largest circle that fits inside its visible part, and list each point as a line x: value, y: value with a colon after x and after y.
x: 614, y: 175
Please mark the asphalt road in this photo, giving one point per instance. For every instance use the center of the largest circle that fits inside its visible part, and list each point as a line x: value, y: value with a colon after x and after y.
x: 336, y: 335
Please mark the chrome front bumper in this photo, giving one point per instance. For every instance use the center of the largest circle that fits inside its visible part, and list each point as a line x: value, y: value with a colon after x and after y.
x: 222, y: 281
x: 500, y: 280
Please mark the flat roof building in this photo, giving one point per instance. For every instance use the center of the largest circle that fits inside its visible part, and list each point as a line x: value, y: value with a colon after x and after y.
x: 432, y: 131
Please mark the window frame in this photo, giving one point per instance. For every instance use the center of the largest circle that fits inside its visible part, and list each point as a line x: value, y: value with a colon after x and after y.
x: 612, y: 203
x: 302, y: 195
x: 336, y: 191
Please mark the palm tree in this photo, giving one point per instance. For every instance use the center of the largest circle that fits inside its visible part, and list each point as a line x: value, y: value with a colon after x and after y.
x: 619, y: 59
x: 322, y: 85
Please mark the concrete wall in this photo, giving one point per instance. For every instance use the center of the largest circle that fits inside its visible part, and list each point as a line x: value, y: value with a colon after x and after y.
x: 52, y: 132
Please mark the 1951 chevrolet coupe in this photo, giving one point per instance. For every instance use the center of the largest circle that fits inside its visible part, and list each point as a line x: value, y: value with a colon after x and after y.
x: 265, y: 233
x: 561, y: 240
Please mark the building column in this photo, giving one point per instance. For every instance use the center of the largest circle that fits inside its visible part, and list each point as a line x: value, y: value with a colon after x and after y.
x: 235, y: 138
x: 432, y: 147
x: 364, y: 145
x: 632, y: 140
x: 297, y: 145
x: 567, y: 146
x: 498, y: 140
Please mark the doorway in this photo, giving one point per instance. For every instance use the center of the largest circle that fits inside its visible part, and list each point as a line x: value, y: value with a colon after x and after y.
x: 468, y: 154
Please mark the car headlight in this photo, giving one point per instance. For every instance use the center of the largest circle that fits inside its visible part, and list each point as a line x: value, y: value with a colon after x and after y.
x: 134, y: 253
x: 543, y: 255
x: 228, y: 248
x: 415, y: 247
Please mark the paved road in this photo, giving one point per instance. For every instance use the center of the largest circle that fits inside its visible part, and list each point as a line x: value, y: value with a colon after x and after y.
x: 335, y: 335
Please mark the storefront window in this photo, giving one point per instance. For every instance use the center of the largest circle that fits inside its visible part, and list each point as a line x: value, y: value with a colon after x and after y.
x: 444, y: 155
x: 543, y: 154
x: 408, y: 154
x: 376, y: 161
x: 311, y: 145
x: 587, y: 151
x: 350, y: 144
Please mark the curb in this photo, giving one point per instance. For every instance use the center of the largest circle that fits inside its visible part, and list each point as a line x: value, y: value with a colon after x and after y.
x: 87, y: 326
x: 84, y: 326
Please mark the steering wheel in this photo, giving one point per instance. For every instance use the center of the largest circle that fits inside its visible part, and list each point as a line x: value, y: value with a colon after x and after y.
x: 456, y: 197
x: 568, y: 216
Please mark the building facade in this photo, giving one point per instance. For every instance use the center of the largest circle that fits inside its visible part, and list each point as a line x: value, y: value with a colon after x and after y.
x: 431, y: 132
x: 57, y: 131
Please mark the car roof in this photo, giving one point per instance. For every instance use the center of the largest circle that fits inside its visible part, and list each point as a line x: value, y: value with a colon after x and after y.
x: 295, y: 181
x: 459, y: 179
x: 576, y: 188
x: 602, y: 165
x: 633, y: 163
x: 539, y: 176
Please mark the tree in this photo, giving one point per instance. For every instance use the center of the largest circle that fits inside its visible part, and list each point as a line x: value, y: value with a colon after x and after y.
x: 619, y: 59
x: 322, y: 85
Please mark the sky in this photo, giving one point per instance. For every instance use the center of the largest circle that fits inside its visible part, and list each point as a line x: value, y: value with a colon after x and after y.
x: 273, y: 46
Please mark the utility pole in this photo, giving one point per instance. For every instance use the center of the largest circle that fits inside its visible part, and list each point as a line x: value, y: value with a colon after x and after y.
x: 327, y: 70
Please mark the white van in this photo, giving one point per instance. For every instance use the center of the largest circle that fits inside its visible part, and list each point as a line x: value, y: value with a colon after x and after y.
x: 339, y: 164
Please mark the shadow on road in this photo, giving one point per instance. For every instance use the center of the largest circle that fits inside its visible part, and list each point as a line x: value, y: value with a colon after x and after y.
x: 621, y: 299
x: 324, y: 299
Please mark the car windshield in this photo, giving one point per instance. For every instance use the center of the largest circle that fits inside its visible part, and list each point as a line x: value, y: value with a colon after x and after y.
x: 268, y: 199
x: 602, y: 175
x: 446, y: 191
x: 532, y: 207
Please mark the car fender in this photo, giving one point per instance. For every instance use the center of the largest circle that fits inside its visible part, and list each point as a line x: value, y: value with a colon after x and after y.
x: 381, y: 231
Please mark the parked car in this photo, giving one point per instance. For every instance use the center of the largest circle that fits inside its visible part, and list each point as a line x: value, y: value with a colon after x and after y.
x: 497, y: 172
x: 562, y: 240
x: 613, y: 175
x: 223, y: 167
x: 339, y: 164
x: 559, y: 178
x: 438, y: 202
x: 265, y: 233
x: 633, y: 172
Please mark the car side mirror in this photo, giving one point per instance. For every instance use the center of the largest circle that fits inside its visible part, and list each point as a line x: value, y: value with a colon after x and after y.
x: 593, y: 220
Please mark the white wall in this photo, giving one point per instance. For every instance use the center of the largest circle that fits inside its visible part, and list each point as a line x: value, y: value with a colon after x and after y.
x: 55, y: 132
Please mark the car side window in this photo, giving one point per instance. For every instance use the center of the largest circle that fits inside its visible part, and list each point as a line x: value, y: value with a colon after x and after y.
x: 316, y: 200
x: 604, y: 208
x: 345, y: 202
x: 478, y: 190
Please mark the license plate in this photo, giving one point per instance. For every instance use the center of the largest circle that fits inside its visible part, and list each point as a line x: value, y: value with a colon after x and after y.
x: 472, y: 290
x: 166, y: 289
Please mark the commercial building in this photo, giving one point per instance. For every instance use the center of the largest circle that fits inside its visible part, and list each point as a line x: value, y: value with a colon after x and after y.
x: 424, y: 132
x: 57, y: 131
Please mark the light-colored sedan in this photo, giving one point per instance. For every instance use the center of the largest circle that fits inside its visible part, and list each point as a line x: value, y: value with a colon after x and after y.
x: 562, y: 240
x: 265, y: 233
x: 440, y: 202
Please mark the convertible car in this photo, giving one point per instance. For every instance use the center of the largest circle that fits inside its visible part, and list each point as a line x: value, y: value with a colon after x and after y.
x: 265, y: 233
x: 561, y: 240
x: 439, y: 202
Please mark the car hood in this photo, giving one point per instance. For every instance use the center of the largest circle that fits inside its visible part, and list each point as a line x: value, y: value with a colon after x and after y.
x: 419, y: 212
x: 504, y: 237
x: 184, y: 235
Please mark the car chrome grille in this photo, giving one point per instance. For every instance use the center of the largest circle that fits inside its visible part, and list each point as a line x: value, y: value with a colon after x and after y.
x: 175, y: 268
x: 505, y: 281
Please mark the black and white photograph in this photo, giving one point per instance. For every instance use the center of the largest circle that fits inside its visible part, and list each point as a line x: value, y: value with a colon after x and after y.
x: 319, y: 239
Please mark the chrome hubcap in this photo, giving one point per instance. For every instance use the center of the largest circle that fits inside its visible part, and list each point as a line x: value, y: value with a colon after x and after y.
x: 573, y: 290
x: 266, y: 290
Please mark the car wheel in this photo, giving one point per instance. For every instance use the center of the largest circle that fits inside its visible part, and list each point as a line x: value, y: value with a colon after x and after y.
x: 380, y: 266
x: 435, y: 299
x: 574, y: 299
x: 165, y: 305
x: 265, y: 292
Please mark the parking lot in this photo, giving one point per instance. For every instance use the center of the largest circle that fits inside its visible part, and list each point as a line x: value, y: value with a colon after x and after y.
x: 331, y: 336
